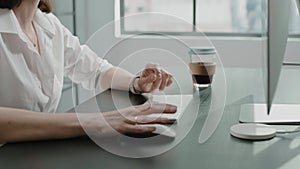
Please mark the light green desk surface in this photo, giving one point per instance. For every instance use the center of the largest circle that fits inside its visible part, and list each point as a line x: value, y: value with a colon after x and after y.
x: 221, y: 151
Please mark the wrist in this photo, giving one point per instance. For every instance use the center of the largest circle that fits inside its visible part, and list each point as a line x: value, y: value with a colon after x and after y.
x: 134, y: 85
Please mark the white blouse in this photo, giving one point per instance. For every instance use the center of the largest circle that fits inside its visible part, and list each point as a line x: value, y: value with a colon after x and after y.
x: 33, y: 81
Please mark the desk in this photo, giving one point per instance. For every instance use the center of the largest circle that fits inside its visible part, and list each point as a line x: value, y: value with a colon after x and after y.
x: 220, y: 151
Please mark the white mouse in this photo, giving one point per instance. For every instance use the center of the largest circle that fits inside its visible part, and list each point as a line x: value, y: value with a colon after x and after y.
x: 162, y: 130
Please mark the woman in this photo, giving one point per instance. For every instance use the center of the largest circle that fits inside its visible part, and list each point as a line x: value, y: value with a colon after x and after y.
x: 36, y: 51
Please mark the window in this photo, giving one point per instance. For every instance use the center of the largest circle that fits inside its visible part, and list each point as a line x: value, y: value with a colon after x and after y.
x: 156, y: 23
x: 229, y: 16
x: 218, y: 17
x: 65, y: 11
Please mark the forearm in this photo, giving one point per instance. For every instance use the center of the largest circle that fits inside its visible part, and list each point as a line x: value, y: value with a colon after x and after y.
x: 22, y: 125
x: 117, y: 78
x: 152, y: 78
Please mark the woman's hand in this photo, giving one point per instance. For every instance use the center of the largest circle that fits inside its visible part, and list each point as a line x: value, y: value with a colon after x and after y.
x: 152, y: 78
x: 126, y: 120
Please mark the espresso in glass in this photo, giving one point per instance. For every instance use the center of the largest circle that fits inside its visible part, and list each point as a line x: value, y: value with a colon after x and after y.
x: 203, y: 73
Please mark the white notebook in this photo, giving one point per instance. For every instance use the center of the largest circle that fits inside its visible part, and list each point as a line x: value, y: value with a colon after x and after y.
x: 181, y: 101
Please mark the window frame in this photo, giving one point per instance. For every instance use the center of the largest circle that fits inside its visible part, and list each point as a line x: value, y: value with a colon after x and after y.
x: 188, y: 34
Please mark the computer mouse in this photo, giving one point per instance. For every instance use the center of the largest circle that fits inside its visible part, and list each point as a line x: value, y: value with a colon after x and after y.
x: 162, y: 130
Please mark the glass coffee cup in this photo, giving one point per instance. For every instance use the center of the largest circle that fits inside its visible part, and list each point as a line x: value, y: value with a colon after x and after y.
x: 202, y: 66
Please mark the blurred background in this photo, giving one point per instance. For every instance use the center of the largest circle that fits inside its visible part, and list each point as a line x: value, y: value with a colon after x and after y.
x: 235, y: 27
x: 222, y: 17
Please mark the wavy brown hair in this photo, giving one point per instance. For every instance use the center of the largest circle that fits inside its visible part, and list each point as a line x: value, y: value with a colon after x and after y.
x: 44, y: 5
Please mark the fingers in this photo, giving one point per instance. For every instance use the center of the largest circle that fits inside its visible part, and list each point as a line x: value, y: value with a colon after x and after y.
x: 148, y: 79
x: 143, y: 107
x: 157, y: 81
x: 166, y: 80
x: 155, y: 77
x: 143, y: 119
x: 160, y: 79
x: 163, y: 80
x: 170, y: 81
x: 146, y: 109
x: 154, y: 108
x: 161, y: 108
x: 145, y: 83
x: 126, y: 120
x: 130, y: 110
x: 129, y: 128
x: 152, y: 120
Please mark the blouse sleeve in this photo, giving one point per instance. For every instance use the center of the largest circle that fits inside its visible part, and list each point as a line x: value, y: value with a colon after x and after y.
x: 81, y: 64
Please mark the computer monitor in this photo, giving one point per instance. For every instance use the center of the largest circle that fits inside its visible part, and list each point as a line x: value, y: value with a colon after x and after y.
x: 298, y: 6
x: 254, y: 114
x: 278, y: 27
x: 269, y: 113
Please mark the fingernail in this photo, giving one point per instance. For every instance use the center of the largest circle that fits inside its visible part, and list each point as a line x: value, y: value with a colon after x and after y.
x: 151, y: 129
x: 167, y: 121
x: 173, y: 108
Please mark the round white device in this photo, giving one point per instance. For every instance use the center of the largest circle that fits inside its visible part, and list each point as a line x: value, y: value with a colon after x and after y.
x: 249, y: 131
